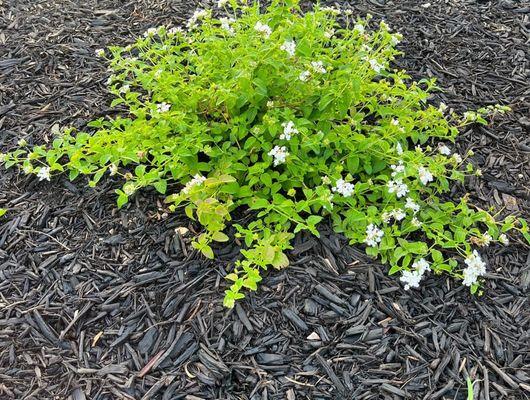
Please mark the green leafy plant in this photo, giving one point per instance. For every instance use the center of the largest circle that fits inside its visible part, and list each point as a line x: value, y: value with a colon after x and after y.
x: 292, y: 117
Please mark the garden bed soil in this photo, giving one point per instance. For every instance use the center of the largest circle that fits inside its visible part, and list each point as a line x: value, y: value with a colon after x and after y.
x: 97, y: 303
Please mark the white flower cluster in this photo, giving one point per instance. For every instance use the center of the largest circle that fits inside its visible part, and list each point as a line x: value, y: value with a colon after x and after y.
x: 399, y: 149
x: 289, y: 46
x: 197, y: 15
x: 425, y: 175
x: 504, y: 239
x: 225, y: 24
x: 279, y: 153
x: 443, y: 149
x: 475, y: 268
x: 412, y: 279
x: 289, y: 129
x: 198, y: 179
x: 332, y: 10
x: 151, y: 32
x: 262, y: 28
x: 163, y: 107
x: 397, y: 213
x: 304, y: 76
x: 174, y: 30
x: 412, y: 205
x: 374, y: 235
x: 359, y: 28
x: 44, y: 173
x: 486, y: 239
x: 398, y: 187
x: 458, y: 158
x: 397, y: 169
x: 375, y: 65
x: 318, y: 67
x: 344, y: 188
x: 221, y: 3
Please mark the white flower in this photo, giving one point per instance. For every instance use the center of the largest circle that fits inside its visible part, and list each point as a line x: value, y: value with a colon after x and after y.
x: 163, y: 107
x: 359, y: 28
x: 264, y: 29
x: 425, y: 175
x: 375, y: 65
x: 399, y: 149
x: 386, y: 216
x: 384, y: 25
x: 3, y: 157
x: 374, y: 235
x: 329, y: 34
x: 415, y: 222
x: 443, y: 149
x: 289, y: 46
x: 421, y: 266
x: 395, y: 39
x: 270, y: 104
x: 221, y: 3
x: 279, y: 154
x: 475, y: 268
x: 22, y: 143
x: 412, y: 205
x: 418, y: 149
x: 413, y: 278
x: 442, y: 107
x: 486, y: 239
x: 225, y: 24
x: 457, y: 158
x: 398, y: 187
x: 344, y: 188
x: 426, y: 5
x: 197, y: 15
x: 504, y: 239
x: 125, y: 89
x: 398, y: 214
x: 318, y: 66
x: 150, y: 32
x: 326, y: 180
x: 289, y: 129
x: 44, y: 173
x: 113, y: 169
x: 129, y: 188
x: 100, y: 52
x: 110, y: 80
x: 331, y: 10
x: 397, y: 169
x: 173, y: 31
x: 394, y: 122
x: 198, y: 179
x: 304, y: 76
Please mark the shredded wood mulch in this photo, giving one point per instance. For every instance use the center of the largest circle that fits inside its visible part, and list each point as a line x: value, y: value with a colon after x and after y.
x: 97, y: 303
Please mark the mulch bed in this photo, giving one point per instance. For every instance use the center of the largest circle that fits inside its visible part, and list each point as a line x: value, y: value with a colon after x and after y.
x: 97, y: 303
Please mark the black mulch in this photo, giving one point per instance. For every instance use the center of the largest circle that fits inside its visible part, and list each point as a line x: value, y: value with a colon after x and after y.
x: 97, y: 303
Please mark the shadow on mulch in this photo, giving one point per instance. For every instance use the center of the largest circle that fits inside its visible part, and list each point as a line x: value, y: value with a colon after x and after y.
x: 97, y: 303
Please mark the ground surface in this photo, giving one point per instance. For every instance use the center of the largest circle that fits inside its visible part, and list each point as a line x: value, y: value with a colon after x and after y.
x: 97, y: 303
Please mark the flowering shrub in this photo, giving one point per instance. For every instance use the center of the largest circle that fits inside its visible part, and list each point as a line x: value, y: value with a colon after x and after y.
x: 295, y: 118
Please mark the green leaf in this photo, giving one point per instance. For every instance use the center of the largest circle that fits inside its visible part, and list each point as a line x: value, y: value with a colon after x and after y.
x: 2, y: 212
x: 220, y: 237
x: 122, y: 199
x: 161, y: 186
x: 207, y: 252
